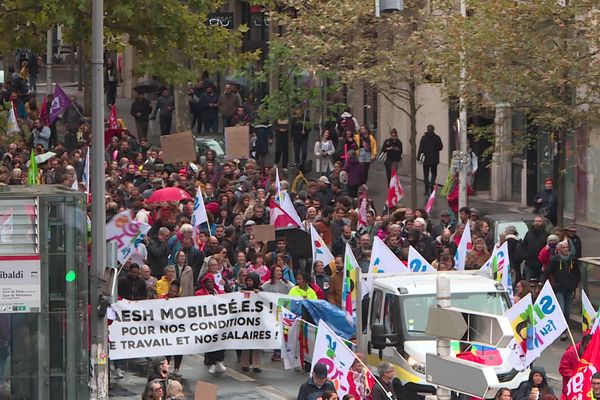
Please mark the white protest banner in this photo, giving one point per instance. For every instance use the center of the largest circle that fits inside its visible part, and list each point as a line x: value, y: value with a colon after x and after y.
x: 331, y: 351
x: 192, y: 325
x: 320, y: 251
x: 383, y: 260
x: 548, y: 324
x: 127, y: 232
x: 289, y: 324
x: 417, y: 263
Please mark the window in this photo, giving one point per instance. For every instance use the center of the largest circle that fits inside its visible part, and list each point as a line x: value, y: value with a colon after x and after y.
x: 392, y: 321
x: 415, y: 309
x: 19, y: 226
x: 376, y: 308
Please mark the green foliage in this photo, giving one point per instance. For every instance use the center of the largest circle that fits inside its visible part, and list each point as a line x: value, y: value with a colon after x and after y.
x: 167, y: 35
x: 538, y: 56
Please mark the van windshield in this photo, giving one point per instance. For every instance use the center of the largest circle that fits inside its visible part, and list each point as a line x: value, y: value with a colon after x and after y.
x: 415, y: 309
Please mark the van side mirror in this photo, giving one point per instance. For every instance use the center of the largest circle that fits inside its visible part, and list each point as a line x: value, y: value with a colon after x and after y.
x: 378, y: 336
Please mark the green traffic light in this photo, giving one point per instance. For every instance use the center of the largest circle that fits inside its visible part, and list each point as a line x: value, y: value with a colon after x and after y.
x: 71, y: 275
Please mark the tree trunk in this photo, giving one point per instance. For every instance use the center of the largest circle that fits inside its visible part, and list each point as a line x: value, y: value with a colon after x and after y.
x: 183, y: 116
x: 561, y: 176
x: 413, y: 144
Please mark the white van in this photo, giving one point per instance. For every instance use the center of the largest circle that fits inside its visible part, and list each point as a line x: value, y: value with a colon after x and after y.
x: 396, y: 321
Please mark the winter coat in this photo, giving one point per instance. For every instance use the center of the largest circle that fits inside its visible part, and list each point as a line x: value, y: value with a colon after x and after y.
x: 203, y: 291
x: 524, y: 389
x: 263, y: 134
x: 323, y: 152
x: 392, y: 155
x: 354, y: 171
x: 132, y: 289
x: 549, y: 206
x: 158, y: 255
x: 565, y: 273
x: 531, y: 245
x: 228, y: 104
x: 372, y: 143
x: 430, y: 147
x: 186, y: 278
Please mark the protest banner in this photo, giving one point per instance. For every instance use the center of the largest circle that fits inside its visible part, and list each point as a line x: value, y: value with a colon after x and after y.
x: 544, y: 322
x: 331, y: 351
x: 237, y: 142
x: 264, y: 233
x: 192, y: 325
x: 320, y: 251
x: 351, y: 268
x: 588, y: 314
x: 289, y: 324
x: 383, y: 260
x: 178, y: 147
x: 127, y: 233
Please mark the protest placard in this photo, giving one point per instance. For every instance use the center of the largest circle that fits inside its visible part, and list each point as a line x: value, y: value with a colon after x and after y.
x: 127, y: 233
x: 237, y: 142
x: 192, y: 325
x: 205, y: 391
x: 178, y: 147
x: 264, y: 233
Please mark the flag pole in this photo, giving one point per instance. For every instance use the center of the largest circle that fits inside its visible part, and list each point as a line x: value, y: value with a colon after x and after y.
x: 360, y: 361
x: 573, y: 342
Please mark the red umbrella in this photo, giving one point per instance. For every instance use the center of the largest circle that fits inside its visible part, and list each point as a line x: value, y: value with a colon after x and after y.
x: 169, y: 194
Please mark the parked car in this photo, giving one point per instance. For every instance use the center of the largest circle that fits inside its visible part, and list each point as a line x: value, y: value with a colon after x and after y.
x: 205, y: 143
x: 499, y: 222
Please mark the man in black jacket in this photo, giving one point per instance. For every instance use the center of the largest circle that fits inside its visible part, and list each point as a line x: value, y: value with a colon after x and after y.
x: 132, y: 286
x: 141, y: 110
x: 158, y: 252
x: 546, y: 202
x: 429, y: 154
x: 533, y: 242
x: 316, y: 385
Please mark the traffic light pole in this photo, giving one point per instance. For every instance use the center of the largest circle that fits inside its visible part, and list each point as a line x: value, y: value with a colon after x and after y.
x: 99, y: 336
x: 443, y: 345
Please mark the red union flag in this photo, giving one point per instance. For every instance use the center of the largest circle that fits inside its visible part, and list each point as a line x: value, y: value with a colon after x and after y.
x: 580, y: 384
x: 280, y: 218
x: 395, y: 191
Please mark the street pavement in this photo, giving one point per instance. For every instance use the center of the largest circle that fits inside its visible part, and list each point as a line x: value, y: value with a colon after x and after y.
x: 277, y: 383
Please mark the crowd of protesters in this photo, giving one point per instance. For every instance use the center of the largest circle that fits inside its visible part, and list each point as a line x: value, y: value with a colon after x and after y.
x: 172, y: 262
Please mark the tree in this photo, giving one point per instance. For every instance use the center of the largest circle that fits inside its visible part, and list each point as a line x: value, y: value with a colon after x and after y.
x: 168, y: 36
x: 541, y: 57
x: 386, y: 54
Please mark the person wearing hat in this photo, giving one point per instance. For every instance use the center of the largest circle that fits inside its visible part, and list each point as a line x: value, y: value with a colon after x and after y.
x: 575, y: 240
x: 317, y: 384
x: 548, y: 251
x: 244, y: 240
x: 546, y: 202
x: 445, y: 223
x: 324, y: 192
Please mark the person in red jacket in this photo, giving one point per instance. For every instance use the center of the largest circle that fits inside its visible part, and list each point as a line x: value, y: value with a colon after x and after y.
x: 570, y: 361
x: 547, y: 252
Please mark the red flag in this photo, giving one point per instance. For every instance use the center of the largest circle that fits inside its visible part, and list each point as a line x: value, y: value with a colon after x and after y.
x: 280, y: 218
x: 44, y: 117
x: 113, y: 123
x: 580, y: 384
x: 395, y: 191
x: 430, y: 201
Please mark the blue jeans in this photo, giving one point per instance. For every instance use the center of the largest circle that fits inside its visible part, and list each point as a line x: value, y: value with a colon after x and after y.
x: 564, y: 300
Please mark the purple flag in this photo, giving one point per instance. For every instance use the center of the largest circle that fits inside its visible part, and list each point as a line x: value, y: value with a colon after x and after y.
x: 60, y: 102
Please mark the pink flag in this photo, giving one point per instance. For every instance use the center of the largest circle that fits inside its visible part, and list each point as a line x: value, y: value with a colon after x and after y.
x: 113, y: 123
x: 395, y: 191
x: 431, y: 200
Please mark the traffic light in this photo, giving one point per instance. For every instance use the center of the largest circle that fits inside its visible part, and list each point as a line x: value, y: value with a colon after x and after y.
x: 70, y: 276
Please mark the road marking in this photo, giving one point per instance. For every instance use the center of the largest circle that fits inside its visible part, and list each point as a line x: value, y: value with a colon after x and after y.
x: 238, y: 376
x: 275, y: 393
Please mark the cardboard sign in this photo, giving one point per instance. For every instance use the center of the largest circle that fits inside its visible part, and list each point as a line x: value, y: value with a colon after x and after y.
x: 178, y: 147
x: 237, y: 142
x: 205, y: 391
x: 264, y: 233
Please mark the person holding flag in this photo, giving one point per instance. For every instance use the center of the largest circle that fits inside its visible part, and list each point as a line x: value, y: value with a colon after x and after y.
x: 395, y: 191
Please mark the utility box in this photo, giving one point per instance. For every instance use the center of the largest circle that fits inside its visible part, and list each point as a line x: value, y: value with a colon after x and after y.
x: 44, y: 351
